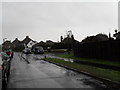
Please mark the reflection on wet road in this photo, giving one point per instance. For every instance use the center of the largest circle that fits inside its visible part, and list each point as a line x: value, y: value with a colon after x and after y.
x: 41, y: 74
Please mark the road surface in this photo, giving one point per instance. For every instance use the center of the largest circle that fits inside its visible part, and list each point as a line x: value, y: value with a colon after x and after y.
x: 41, y: 74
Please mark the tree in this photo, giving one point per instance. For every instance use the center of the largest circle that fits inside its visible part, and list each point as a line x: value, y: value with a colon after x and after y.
x: 61, y: 38
x: 72, y: 37
x: 98, y: 37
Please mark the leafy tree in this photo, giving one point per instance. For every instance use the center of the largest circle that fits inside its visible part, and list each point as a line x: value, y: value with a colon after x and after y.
x: 98, y: 37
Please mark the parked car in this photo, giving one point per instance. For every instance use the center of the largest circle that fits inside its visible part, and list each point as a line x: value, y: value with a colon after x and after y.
x: 27, y: 51
x: 38, y: 50
x: 1, y: 62
x: 9, y: 53
x: 5, y: 67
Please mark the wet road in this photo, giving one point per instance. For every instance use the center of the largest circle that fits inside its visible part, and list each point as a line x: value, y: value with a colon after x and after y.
x: 41, y: 74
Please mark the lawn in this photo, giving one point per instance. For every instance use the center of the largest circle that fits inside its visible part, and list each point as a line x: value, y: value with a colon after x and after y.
x: 99, y: 61
x: 104, y: 73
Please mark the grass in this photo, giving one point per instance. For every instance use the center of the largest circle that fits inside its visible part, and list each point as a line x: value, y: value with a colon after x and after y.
x: 104, y: 73
x: 99, y: 61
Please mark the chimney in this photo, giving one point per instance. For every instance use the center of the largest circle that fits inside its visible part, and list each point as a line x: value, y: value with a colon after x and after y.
x: 27, y: 36
x: 16, y: 38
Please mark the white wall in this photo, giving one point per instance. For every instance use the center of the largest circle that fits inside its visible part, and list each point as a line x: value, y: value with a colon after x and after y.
x: 31, y: 43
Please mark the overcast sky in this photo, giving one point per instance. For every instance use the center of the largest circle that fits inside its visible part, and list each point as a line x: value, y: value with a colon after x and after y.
x: 49, y: 20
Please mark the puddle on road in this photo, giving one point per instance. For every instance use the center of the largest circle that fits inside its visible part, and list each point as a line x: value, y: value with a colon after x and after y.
x: 94, y: 83
x: 80, y: 78
x: 27, y: 56
x: 70, y: 73
x: 41, y: 62
x: 85, y: 79
x: 38, y: 57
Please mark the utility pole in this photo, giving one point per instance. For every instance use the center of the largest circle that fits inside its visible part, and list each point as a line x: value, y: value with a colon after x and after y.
x: 69, y: 34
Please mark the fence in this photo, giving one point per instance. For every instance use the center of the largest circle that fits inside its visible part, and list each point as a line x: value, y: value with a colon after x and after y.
x: 109, y: 50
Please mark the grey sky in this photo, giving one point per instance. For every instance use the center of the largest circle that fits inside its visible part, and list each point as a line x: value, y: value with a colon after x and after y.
x: 49, y: 20
x: 0, y: 22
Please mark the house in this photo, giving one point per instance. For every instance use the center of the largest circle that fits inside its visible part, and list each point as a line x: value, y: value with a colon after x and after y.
x: 26, y: 41
x: 49, y: 42
x: 31, y: 43
x: 117, y: 35
x: 20, y: 45
x: 16, y: 43
x: 41, y: 43
x: 6, y: 45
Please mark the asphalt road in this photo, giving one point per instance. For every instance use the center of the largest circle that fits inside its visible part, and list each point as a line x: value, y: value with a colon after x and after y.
x: 41, y: 74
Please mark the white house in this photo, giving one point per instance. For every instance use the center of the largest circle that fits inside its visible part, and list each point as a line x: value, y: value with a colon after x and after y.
x: 31, y: 43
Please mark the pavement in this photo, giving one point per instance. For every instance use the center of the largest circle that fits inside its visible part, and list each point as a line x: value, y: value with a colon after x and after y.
x: 40, y: 74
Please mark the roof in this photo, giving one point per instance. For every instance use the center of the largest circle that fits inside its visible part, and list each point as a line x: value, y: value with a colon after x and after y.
x: 16, y: 41
x: 117, y: 35
x: 26, y: 40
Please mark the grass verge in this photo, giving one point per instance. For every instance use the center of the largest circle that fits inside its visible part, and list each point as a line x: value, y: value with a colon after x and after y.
x: 104, y: 73
x: 99, y: 61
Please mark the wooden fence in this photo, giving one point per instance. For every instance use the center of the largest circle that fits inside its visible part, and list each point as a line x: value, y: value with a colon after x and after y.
x: 109, y: 50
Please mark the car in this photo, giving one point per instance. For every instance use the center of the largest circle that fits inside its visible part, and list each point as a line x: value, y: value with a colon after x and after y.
x: 27, y: 51
x: 5, y: 68
x: 38, y: 50
x: 10, y: 53
x: 1, y: 62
